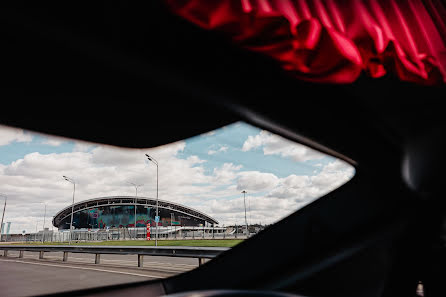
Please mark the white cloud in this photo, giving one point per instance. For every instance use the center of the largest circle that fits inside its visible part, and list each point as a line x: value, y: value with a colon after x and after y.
x: 221, y: 149
x: 102, y: 171
x: 105, y: 171
x: 81, y: 146
x: 38, y: 178
x: 276, y: 145
x: 53, y: 142
x: 226, y: 174
x: 255, y: 141
x: 9, y: 135
x: 308, y: 188
x: 256, y: 181
x: 210, y: 133
x: 333, y: 175
x: 260, y: 209
x: 296, y: 181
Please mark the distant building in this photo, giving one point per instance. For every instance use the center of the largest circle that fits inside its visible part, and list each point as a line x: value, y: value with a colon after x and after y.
x: 119, y: 211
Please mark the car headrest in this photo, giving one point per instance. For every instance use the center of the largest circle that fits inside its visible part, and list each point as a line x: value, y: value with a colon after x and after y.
x: 424, y: 162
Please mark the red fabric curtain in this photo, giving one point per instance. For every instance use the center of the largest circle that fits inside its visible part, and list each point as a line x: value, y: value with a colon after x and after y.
x: 334, y: 41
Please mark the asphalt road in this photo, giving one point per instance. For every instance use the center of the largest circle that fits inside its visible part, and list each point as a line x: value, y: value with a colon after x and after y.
x: 30, y: 276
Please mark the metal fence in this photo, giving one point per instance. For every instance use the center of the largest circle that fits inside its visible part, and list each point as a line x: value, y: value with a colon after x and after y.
x: 200, y: 253
x: 164, y: 233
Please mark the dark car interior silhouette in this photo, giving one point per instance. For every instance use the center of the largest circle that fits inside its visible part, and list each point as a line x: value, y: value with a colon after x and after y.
x: 110, y: 72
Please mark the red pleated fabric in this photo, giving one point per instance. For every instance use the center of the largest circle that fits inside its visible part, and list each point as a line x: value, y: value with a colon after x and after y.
x: 334, y: 41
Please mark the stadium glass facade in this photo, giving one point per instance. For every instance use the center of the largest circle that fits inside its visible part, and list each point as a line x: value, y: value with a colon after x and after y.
x: 123, y: 215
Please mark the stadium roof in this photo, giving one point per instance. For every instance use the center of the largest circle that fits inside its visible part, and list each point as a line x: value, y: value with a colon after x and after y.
x: 130, y: 200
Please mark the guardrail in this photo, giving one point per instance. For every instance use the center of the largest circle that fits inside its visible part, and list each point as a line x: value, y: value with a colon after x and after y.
x: 170, y: 251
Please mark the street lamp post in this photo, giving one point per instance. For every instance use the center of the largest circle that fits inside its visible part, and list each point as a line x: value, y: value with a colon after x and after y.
x: 3, y: 215
x: 136, y: 195
x: 44, y: 216
x: 70, y: 180
x: 151, y: 159
x: 52, y: 230
x: 171, y: 220
x: 246, y: 221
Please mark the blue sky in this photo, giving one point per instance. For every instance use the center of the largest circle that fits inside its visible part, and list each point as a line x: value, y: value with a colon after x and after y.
x: 233, y: 137
x: 18, y: 150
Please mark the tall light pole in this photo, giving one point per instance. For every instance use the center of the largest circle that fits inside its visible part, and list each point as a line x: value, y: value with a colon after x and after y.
x: 52, y: 230
x: 3, y: 215
x: 156, y: 163
x: 246, y: 221
x: 44, y: 216
x: 70, y: 180
x: 35, y: 235
x: 249, y: 210
x: 136, y: 195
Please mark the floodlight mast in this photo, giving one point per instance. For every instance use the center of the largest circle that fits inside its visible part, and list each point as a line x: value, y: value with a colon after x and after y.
x: 70, y: 180
x: 3, y: 215
x: 136, y: 195
x: 246, y: 221
x: 44, y: 218
x: 154, y: 161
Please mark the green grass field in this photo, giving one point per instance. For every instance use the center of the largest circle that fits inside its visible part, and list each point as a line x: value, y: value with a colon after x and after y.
x: 201, y: 242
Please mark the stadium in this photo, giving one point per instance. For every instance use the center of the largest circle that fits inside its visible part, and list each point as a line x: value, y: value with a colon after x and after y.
x: 119, y: 212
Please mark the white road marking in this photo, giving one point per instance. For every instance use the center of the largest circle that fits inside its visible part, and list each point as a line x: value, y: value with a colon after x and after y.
x: 82, y: 268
